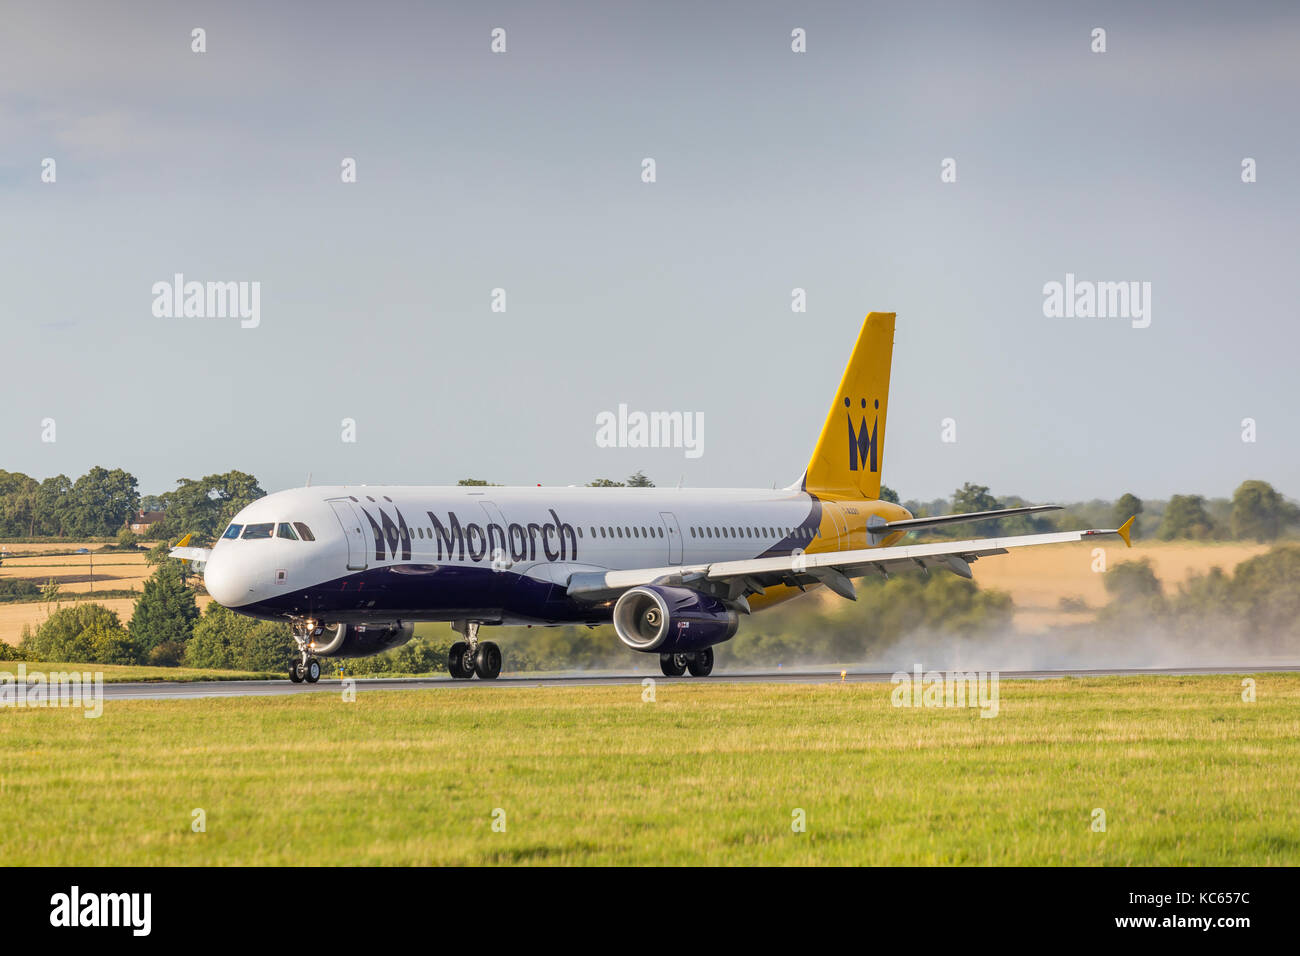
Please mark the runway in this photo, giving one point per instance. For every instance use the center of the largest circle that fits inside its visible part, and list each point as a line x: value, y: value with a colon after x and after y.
x: 179, y: 690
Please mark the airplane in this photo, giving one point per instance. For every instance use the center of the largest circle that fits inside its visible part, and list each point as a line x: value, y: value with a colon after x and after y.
x: 352, y: 569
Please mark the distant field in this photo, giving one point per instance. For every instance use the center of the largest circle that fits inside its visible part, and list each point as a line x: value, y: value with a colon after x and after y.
x: 48, y: 545
x: 113, y: 570
x: 1186, y: 773
x: 1038, y: 578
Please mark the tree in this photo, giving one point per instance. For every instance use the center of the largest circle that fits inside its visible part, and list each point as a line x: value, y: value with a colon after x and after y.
x: 639, y: 480
x: 1135, y: 592
x: 267, y: 647
x: 165, y: 611
x: 66, y: 635
x: 110, y: 644
x: 206, y: 506
x: 1132, y: 579
x: 230, y: 641
x: 1259, y: 512
x: 1128, y: 506
x: 101, y: 501
x: 53, y: 502
x: 474, y: 483
x: 1185, y: 517
x: 970, y: 498
x: 127, y: 540
x: 17, y: 504
x: 216, y: 639
x: 888, y: 494
x: 605, y: 483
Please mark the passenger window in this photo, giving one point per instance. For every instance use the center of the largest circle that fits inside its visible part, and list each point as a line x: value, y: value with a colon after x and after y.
x: 285, y: 530
x: 304, y: 532
x: 233, y: 531
x: 259, y: 531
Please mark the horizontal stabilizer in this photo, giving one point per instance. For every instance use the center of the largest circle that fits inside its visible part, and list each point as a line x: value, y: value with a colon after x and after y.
x: 191, y: 554
x: 915, y: 524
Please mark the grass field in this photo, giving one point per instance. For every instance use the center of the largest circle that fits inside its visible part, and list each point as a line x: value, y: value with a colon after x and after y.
x: 1186, y: 772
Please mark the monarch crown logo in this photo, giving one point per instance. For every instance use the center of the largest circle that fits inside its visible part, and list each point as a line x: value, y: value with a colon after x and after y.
x: 861, y: 444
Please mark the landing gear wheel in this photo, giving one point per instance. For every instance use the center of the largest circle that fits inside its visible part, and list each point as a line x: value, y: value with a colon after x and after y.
x: 700, y: 664
x: 487, y: 660
x: 673, y: 665
x: 456, y: 661
x: 313, y: 671
x: 295, y: 673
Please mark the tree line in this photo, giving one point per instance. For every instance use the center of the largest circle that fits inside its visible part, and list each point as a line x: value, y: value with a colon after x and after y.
x: 102, y: 502
x: 1255, y: 512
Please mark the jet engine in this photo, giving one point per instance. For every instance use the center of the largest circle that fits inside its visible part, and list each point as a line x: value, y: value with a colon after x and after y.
x: 360, y: 640
x: 669, y: 620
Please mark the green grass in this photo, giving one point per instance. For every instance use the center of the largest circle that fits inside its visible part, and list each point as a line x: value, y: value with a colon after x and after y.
x: 123, y: 673
x: 1186, y: 772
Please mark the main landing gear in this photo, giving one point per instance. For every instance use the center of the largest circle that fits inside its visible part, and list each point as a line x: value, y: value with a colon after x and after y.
x: 699, y: 663
x: 308, y: 668
x: 472, y: 656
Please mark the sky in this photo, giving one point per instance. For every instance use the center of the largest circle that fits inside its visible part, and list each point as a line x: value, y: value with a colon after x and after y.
x: 774, y: 170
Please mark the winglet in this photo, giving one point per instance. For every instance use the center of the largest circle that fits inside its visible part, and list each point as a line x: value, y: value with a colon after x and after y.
x: 1125, y: 530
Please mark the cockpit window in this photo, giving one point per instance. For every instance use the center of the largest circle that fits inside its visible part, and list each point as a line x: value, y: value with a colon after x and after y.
x: 259, y: 530
x: 233, y: 531
x: 285, y: 530
x: 304, y: 531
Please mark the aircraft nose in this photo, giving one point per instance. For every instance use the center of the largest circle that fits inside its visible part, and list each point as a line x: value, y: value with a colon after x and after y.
x: 222, y: 578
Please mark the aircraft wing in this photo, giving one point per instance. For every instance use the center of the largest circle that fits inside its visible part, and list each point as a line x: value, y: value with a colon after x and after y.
x: 835, y: 569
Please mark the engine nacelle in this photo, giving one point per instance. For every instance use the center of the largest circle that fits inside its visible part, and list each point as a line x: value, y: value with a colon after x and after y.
x: 667, y: 620
x: 360, y: 640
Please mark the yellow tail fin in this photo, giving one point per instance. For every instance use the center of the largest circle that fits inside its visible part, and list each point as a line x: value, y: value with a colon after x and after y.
x: 850, y: 451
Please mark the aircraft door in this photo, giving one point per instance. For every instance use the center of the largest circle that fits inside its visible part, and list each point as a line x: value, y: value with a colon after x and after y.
x: 674, y: 532
x: 351, y: 525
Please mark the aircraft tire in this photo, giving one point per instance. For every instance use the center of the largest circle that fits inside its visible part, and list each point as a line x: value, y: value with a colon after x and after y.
x: 456, y: 661
x: 673, y: 665
x: 487, y: 660
x: 700, y: 664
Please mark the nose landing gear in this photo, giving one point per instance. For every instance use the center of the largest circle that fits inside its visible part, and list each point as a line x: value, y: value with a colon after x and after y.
x: 308, y: 668
x: 472, y: 656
